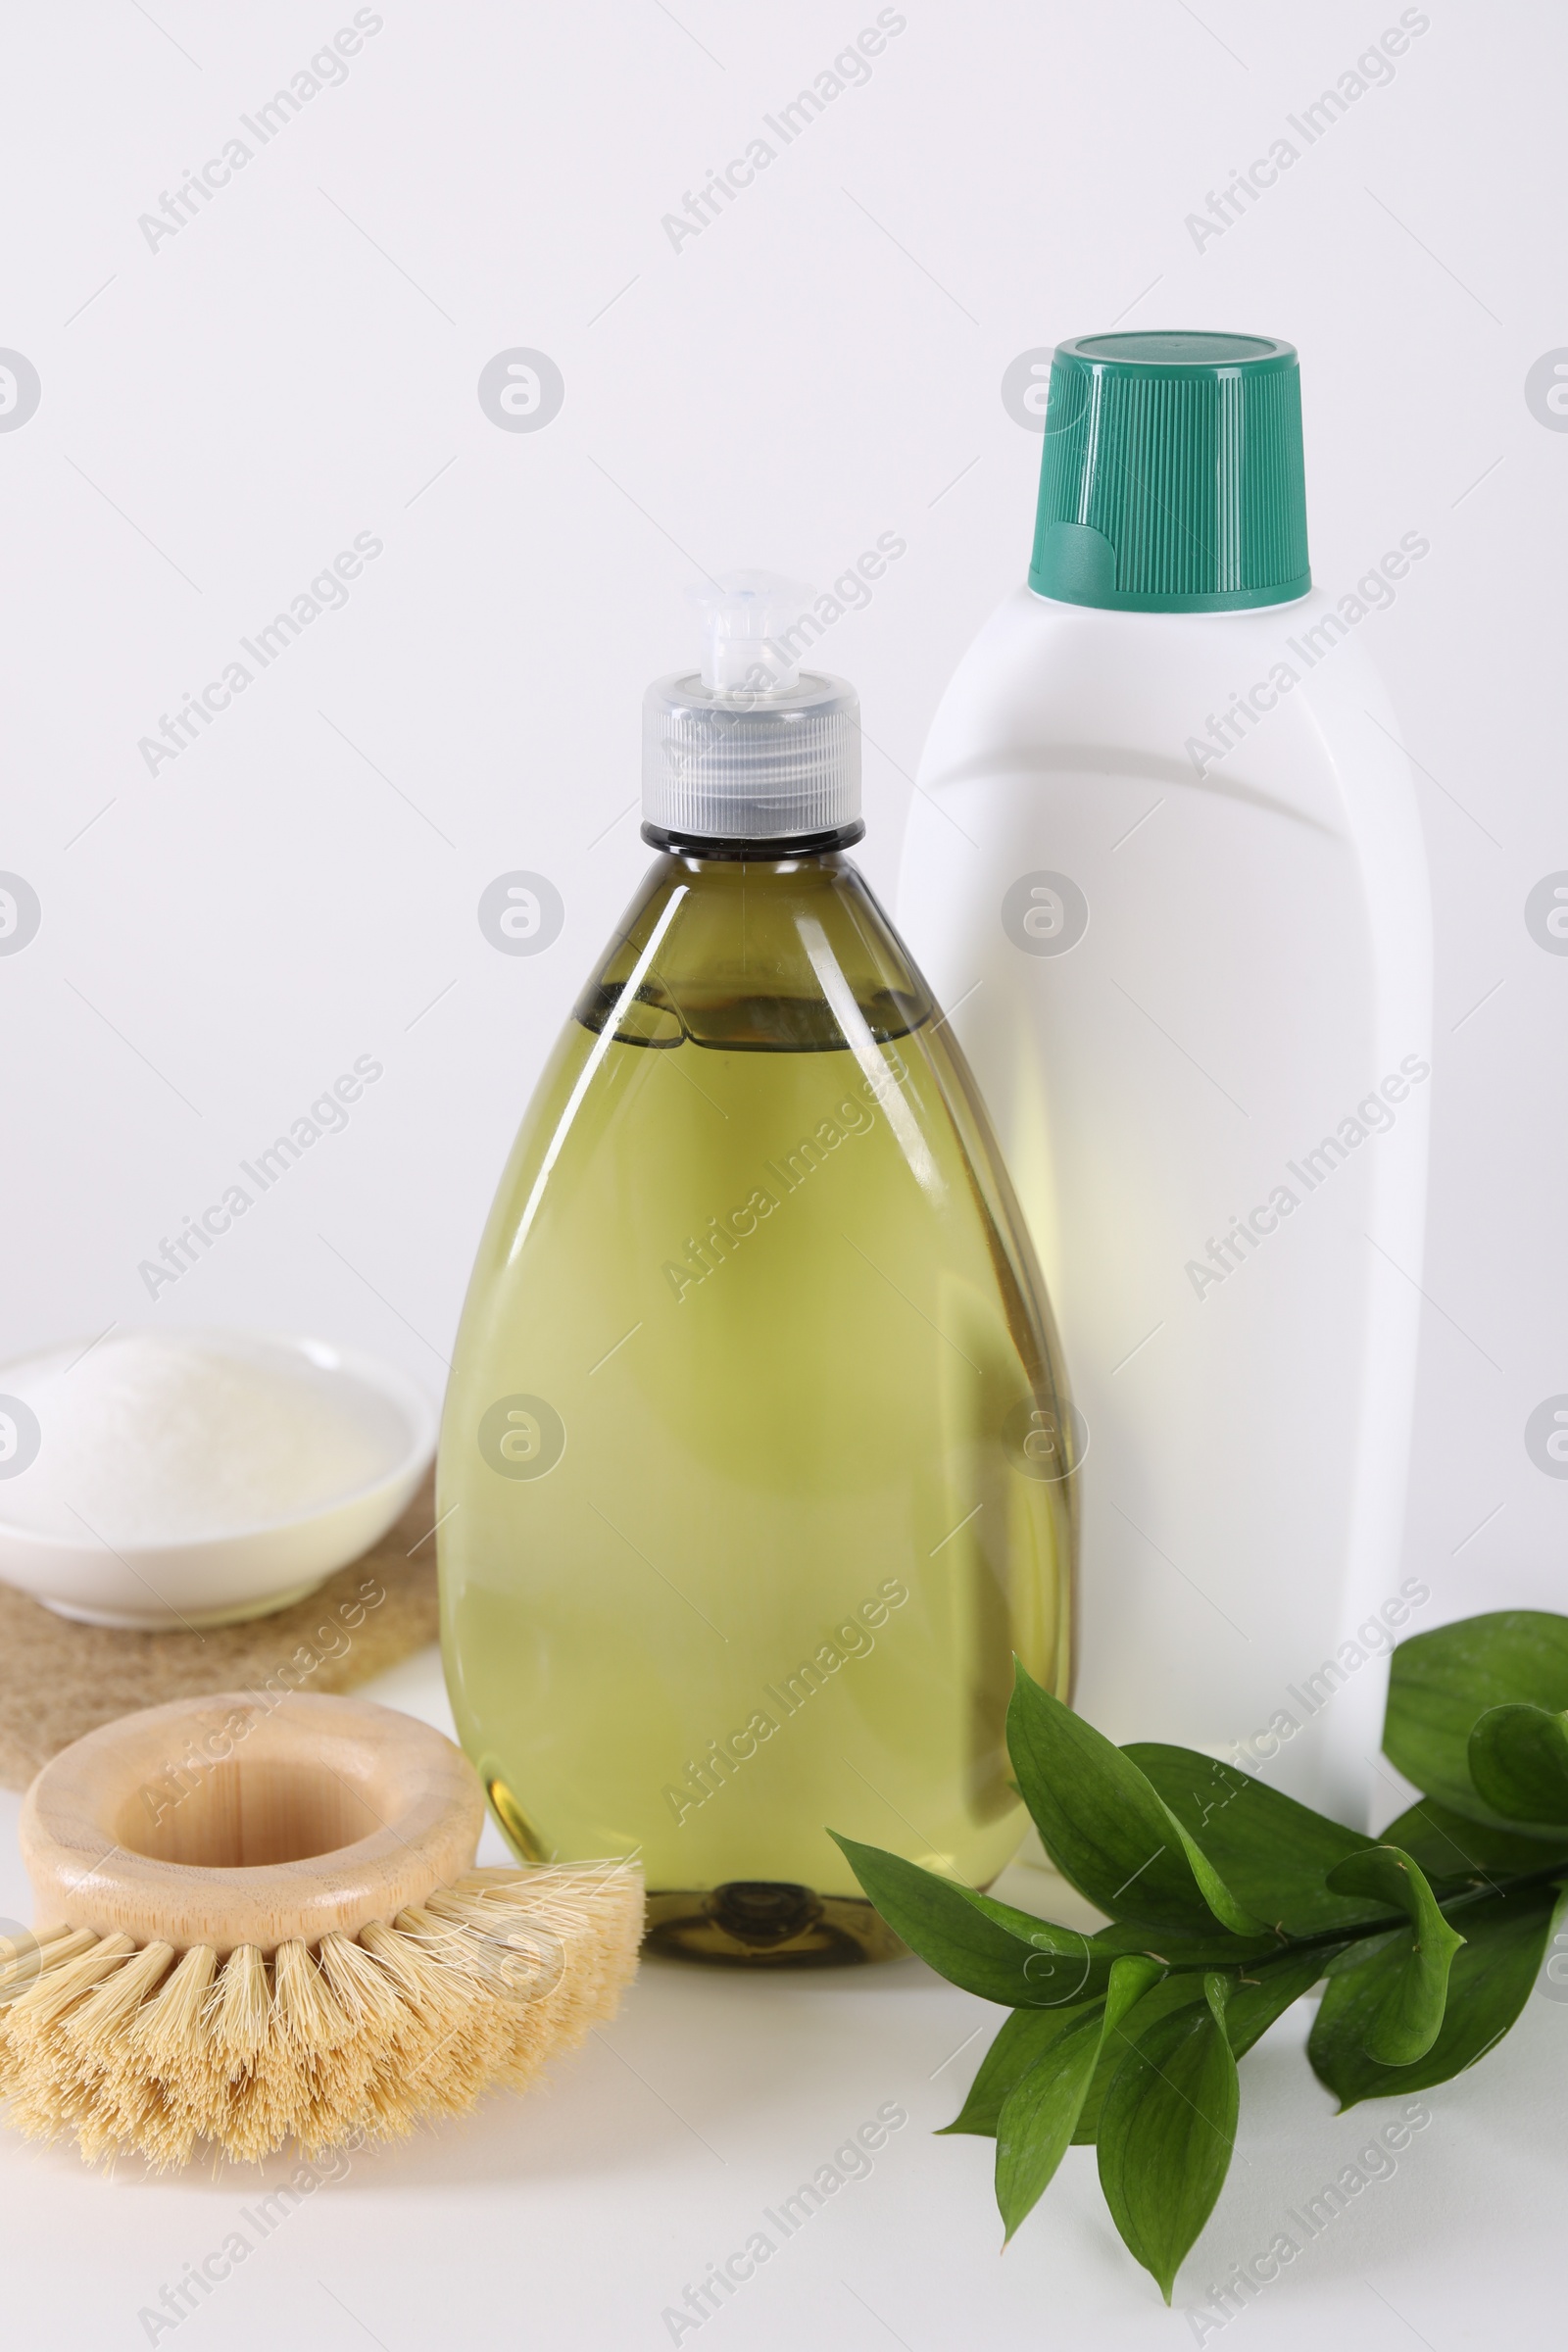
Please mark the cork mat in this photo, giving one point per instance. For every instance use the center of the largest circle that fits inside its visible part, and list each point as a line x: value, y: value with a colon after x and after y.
x: 59, y: 1680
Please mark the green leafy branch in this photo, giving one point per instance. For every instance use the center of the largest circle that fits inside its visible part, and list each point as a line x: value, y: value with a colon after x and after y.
x: 1227, y: 1901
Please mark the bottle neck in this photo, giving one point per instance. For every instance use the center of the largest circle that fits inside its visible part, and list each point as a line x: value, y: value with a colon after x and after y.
x: 755, y: 852
x: 755, y: 946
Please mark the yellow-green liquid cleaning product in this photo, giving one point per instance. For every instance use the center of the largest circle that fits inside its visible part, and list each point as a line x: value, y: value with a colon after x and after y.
x: 757, y: 1460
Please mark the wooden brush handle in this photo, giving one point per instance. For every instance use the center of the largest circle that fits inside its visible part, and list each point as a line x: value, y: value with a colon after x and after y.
x: 236, y: 1820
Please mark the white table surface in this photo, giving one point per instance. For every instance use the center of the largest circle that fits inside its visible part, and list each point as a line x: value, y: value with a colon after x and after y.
x: 578, y: 2216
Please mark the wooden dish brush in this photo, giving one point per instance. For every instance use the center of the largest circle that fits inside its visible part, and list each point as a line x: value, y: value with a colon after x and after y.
x: 261, y: 1922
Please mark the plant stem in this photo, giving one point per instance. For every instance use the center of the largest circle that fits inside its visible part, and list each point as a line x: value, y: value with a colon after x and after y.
x: 1356, y: 1932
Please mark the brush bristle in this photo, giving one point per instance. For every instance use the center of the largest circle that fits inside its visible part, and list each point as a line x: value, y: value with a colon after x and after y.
x: 121, y: 2047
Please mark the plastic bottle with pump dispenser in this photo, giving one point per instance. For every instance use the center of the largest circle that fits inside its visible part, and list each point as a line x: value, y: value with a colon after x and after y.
x: 756, y: 1465
x: 1167, y: 861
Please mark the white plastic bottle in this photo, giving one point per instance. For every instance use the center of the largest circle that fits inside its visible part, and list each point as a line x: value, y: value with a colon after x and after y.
x: 1166, y: 867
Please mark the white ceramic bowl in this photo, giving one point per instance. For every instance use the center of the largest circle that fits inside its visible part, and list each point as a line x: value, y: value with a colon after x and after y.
x: 217, y: 1579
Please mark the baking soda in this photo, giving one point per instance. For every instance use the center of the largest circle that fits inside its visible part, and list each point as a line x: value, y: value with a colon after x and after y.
x: 152, y: 1437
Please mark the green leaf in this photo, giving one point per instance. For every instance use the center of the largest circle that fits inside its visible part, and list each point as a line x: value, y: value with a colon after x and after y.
x: 1505, y: 1937
x: 1167, y: 2132
x: 1176, y: 1991
x: 1453, y: 1847
x: 1272, y: 1853
x: 1439, y: 1684
x: 1409, y: 2017
x: 1040, y: 2114
x: 1518, y: 1759
x: 1257, y: 1998
x: 1025, y: 2036
x: 986, y: 1947
x: 1106, y: 1828
x: 1064, y: 1965
x: 1256, y: 2001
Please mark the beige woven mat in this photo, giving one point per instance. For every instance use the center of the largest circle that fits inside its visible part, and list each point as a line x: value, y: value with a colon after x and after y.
x: 59, y: 1680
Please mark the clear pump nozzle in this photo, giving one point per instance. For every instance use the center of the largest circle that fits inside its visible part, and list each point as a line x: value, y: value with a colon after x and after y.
x: 752, y: 748
x: 745, y: 618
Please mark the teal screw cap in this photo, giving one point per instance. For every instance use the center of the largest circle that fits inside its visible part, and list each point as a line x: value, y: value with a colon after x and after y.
x: 1172, y: 478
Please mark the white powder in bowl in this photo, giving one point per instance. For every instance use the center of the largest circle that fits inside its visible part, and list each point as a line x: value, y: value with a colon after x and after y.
x: 163, y: 1437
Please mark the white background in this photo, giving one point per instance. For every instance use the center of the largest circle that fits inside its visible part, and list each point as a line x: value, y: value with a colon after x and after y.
x: 220, y: 415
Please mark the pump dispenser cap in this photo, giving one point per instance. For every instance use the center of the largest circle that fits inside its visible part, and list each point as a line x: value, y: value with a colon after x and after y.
x: 751, y: 746
x: 1172, y: 479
